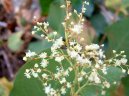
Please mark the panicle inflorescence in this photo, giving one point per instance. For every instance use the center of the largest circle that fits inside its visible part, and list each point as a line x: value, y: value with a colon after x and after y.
x: 88, y: 63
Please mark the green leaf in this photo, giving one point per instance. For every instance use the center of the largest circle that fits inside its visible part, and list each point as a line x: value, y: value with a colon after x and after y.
x: 56, y: 16
x: 125, y: 3
x: 33, y: 87
x: 99, y: 23
x: 39, y: 46
x: 89, y: 91
x: 45, y: 4
x: 77, y: 4
x: 114, y: 74
x: 15, y: 42
x: 27, y: 87
x: 118, y: 36
x: 125, y: 82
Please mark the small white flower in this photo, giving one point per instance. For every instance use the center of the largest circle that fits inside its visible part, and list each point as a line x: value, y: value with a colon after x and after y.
x: 106, y: 84
x: 42, y: 35
x: 72, y: 54
x: 25, y: 58
x: 122, y: 52
x: 92, y: 47
x: 97, y: 66
x: 45, y: 76
x: 47, y: 89
x: 80, y: 59
x: 80, y: 79
x: 118, y: 63
x: 101, y: 54
x: 35, y: 27
x: 94, y: 77
x: 43, y: 55
x: 46, y: 24
x: 123, y: 70
x: 57, y: 44
x: 103, y: 92
x: 39, y: 23
x: 39, y: 70
x: 30, y: 54
x: 114, y: 51
x: 27, y: 73
x: 87, y: 3
x: 114, y: 82
x: 34, y: 74
x: 63, y: 91
x: 77, y: 28
x: 33, y: 32
x: 59, y: 59
x: 52, y: 92
x: 100, y: 61
x: 123, y: 60
x: 72, y: 43
x: 83, y: 10
x: 66, y: 73
x: 104, y: 70
x: 83, y: 73
x: 128, y: 71
x: 70, y: 69
x: 78, y: 47
x: 62, y: 6
x: 55, y: 33
x: 36, y: 65
x: 63, y: 81
x: 44, y: 63
x: 68, y: 85
x: 57, y: 75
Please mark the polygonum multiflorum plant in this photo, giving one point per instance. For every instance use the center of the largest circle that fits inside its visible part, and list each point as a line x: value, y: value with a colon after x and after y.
x: 75, y: 66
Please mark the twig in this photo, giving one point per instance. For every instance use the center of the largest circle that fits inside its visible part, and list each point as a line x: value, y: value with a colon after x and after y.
x: 8, y: 65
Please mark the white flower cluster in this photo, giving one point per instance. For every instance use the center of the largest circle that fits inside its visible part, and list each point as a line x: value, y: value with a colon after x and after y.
x: 80, y: 59
x: 76, y: 66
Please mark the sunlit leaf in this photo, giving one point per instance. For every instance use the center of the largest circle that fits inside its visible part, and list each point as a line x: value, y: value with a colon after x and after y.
x: 15, y: 42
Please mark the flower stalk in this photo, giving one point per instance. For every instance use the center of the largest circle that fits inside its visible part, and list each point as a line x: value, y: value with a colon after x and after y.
x: 75, y: 66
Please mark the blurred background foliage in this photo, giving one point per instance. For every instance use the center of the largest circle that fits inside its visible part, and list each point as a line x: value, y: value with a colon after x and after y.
x: 107, y: 22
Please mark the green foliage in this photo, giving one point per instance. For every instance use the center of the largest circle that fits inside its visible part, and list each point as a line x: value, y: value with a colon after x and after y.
x: 125, y: 82
x: 26, y: 87
x: 39, y: 46
x: 2, y: 91
x: 99, y: 23
x: 15, y: 42
x: 118, y: 36
x: 56, y: 16
x: 114, y: 74
x: 77, y: 4
x: 45, y: 6
x: 33, y: 87
x: 89, y: 91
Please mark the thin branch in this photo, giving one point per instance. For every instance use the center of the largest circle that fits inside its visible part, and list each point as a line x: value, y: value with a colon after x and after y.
x: 8, y: 65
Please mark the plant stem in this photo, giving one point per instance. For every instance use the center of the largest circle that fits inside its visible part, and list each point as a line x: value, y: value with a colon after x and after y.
x: 81, y: 88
